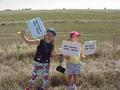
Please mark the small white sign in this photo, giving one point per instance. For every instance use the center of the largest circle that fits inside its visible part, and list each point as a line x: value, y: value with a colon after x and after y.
x: 36, y: 27
x: 89, y: 47
x: 71, y: 48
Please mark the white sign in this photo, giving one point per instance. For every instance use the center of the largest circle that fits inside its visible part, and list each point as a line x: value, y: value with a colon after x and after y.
x: 71, y: 48
x: 89, y: 47
x: 36, y: 27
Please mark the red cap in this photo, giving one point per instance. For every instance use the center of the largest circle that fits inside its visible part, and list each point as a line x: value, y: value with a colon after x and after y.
x: 74, y: 34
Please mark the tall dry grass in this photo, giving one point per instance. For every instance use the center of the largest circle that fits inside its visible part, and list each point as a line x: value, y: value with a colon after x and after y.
x: 99, y: 71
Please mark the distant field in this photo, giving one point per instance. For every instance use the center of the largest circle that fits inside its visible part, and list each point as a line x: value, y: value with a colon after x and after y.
x: 92, y: 24
x: 59, y: 14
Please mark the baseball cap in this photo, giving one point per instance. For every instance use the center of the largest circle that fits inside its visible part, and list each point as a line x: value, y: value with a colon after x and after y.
x: 74, y: 34
x: 52, y: 30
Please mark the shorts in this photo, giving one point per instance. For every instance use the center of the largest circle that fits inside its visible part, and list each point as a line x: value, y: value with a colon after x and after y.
x: 73, y: 69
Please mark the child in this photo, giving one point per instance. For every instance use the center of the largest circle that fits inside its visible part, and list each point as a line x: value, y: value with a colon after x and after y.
x: 73, y: 66
x: 44, y: 52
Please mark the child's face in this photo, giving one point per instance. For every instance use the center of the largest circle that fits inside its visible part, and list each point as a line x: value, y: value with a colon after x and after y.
x: 49, y: 37
x: 75, y: 39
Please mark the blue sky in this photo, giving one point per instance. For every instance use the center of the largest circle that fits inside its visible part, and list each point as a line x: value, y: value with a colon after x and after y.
x: 59, y: 4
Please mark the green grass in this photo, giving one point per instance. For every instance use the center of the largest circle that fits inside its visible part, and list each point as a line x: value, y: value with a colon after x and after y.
x: 89, y: 31
x: 59, y: 14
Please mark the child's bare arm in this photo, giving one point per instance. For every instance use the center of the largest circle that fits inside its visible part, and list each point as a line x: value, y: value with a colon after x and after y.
x: 82, y: 54
x: 27, y: 40
x: 54, y: 53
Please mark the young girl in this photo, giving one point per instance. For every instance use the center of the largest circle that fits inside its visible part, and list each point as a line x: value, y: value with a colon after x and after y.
x: 44, y: 52
x: 73, y: 66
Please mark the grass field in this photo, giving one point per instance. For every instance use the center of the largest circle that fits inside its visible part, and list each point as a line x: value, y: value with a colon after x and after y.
x: 100, y: 71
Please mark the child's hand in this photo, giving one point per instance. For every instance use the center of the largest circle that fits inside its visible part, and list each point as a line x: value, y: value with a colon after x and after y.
x: 67, y: 57
x: 83, y: 56
x: 22, y: 32
x: 60, y: 57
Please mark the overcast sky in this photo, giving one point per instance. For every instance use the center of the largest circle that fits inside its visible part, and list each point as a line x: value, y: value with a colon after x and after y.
x: 59, y: 4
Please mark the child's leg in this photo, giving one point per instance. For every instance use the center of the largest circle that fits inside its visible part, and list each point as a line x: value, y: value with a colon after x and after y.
x: 69, y: 80
x: 75, y: 79
x: 69, y: 72
x: 77, y: 71
x: 45, y: 75
x: 35, y: 74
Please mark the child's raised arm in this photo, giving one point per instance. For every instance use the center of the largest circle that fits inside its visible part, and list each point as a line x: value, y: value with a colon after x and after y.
x: 27, y: 40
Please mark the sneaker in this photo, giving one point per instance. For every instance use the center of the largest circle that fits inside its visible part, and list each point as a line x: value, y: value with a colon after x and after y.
x: 40, y: 88
x: 70, y: 88
x: 74, y: 87
x: 27, y: 88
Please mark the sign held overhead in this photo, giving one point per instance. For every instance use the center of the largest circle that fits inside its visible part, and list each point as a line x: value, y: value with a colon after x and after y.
x: 36, y: 27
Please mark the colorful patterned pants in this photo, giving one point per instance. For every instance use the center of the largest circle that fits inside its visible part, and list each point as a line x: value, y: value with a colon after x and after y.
x: 40, y: 68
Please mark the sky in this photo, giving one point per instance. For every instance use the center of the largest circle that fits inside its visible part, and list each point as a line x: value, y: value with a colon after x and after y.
x: 59, y: 4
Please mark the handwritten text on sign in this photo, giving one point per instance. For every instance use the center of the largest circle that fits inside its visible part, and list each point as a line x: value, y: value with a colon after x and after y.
x: 71, y: 48
x: 36, y: 28
x: 89, y: 47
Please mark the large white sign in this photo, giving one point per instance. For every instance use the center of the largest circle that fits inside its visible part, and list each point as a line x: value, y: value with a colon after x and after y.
x: 89, y: 47
x: 36, y: 27
x: 71, y: 48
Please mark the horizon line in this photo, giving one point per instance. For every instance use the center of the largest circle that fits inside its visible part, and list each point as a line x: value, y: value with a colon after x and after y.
x: 61, y: 9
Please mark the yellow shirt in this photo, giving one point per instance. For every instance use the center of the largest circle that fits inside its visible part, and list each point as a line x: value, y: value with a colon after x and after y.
x: 74, y: 59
